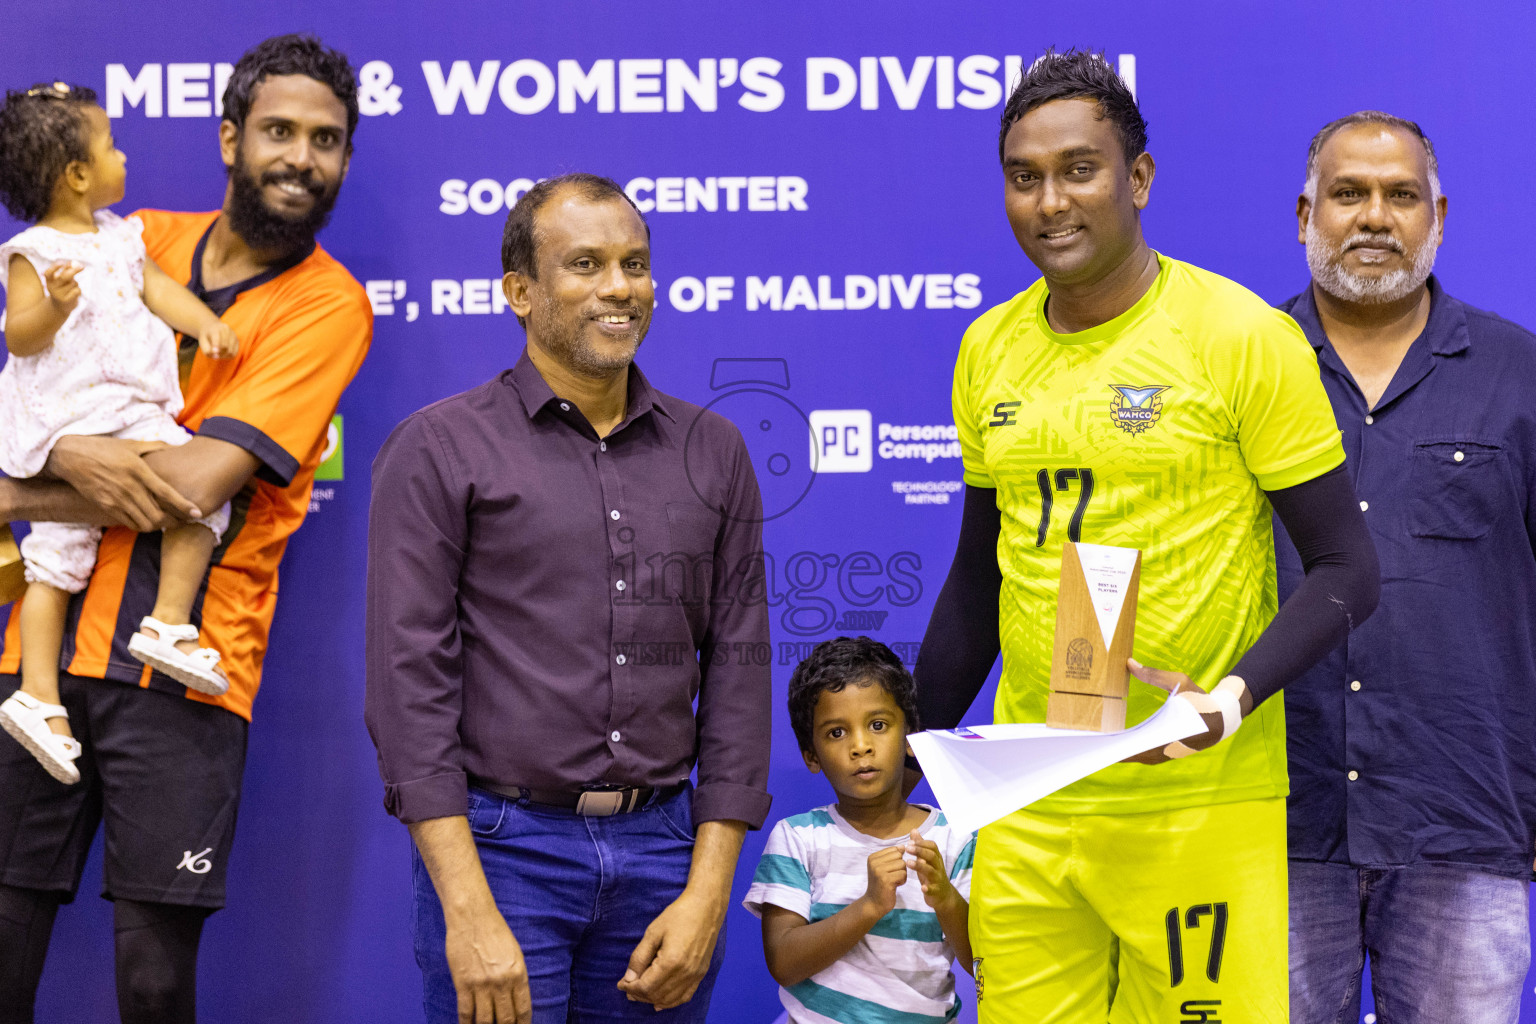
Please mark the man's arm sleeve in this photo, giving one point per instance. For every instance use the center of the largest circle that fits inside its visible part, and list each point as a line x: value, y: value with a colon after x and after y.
x: 1340, y: 591
x: 417, y: 534
x: 1285, y: 426
x: 961, y: 643
x: 1290, y: 442
x: 735, y: 692
x: 289, y: 387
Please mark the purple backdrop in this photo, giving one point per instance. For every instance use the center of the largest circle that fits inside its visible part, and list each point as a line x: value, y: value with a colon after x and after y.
x: 803, y: 160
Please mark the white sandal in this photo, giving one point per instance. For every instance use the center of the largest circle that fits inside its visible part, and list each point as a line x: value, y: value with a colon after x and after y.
x: 26, y: 718
x: 198, y: 670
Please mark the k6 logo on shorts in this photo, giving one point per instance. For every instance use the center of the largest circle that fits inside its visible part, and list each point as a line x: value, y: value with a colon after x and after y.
x: 197, y: 863
x: 842, y: 440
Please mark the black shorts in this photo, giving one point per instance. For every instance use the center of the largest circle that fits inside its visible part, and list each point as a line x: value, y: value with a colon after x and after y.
x: 162, y: 771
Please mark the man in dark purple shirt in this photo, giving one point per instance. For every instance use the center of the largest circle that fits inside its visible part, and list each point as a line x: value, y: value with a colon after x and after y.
x: 1412, y: 747
x: 562, y: 562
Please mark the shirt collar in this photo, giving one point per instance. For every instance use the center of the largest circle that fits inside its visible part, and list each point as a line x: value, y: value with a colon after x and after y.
x: 536, y: 393
x: 1445, y: 330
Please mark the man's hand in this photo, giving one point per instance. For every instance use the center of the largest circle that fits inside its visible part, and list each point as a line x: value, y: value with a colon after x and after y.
x: 218, y: 341
x: 1177, y: 683
x: 486, y: 962
x: 488, y: 971
x: 938, y: 892
x: 63, y: 289
x: 112, y: 474
x: 674, y: 954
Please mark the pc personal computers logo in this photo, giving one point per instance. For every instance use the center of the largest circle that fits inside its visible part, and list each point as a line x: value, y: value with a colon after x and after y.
x: 842, y: 440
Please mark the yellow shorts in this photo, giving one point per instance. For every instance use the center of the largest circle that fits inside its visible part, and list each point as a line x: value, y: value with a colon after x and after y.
x: 1168, y: 917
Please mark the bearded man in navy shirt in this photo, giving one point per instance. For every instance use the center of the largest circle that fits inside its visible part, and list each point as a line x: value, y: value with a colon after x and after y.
x: 1413, y: 746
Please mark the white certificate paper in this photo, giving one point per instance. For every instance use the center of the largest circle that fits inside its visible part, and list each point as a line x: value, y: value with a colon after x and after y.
x: 986, y: 772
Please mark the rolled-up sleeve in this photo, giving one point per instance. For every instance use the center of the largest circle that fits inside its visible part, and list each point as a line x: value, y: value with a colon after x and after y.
x: 417, y: 534
x: 736, y: 688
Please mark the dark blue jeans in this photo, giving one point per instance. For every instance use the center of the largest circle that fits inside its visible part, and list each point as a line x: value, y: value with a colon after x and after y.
x: 578, y: 893
x: 1446, y: 943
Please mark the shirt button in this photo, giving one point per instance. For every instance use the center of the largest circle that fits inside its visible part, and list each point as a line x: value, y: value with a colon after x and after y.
x: 1369, y: 420
x: 1355, y: 685
x: 1458, y: 456
x: 621, y: 659
x: 614, y: 514
x: 602, y: 446
x: 1364, y: 505
x: 1353, y: 776
x: 565, y: 406
x: 620, y: 584
x: 616, y: 736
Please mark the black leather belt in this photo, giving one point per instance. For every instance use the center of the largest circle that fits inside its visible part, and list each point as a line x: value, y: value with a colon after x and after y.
x: 595, y: 802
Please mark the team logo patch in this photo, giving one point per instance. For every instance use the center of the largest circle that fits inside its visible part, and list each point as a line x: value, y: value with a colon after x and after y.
x: 976, y: 973
x: 1135, y: 410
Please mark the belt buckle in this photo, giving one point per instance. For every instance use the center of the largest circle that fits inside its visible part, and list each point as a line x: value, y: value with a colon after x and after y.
x: 603, y: 802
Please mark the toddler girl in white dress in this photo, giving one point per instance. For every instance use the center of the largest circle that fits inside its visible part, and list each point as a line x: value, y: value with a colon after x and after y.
x: 89, y: 352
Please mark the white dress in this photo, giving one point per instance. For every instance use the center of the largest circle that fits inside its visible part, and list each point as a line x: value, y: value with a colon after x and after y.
x: 111, y: 370
x: 111, y: 365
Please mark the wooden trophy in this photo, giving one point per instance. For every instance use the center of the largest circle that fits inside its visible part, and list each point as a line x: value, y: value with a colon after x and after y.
x: 13, y: 580
x: 1095, y: 628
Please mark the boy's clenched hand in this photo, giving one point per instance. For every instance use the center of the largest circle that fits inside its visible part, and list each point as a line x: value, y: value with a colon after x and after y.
x: 938, y: 892
x: 887, y: 872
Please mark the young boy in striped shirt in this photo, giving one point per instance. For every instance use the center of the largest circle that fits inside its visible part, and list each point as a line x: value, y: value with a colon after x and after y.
x: 863, y: 902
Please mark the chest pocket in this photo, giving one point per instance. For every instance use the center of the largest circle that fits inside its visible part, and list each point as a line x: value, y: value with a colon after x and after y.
x: 1458, y: 488
x: 686, y: 571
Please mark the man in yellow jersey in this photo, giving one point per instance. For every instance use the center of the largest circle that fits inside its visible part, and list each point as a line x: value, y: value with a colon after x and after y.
x: 1130, y: 399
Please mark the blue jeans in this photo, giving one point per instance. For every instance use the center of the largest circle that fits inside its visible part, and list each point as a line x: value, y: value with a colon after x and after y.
x: 1447, y: 943
x: 578, y: 894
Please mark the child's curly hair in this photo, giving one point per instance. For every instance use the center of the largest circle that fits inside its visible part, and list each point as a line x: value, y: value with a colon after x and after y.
x: 833, y: 665
x: 42, y: 130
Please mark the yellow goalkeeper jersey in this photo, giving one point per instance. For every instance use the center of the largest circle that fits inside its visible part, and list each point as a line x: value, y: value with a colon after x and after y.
x: 1159, y: 430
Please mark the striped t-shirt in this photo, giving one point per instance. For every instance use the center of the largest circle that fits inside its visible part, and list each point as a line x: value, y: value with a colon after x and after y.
x: 814, y: 865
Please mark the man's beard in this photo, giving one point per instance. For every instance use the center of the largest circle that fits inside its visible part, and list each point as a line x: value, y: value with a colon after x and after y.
x: 570, y: 344
x: 268, y: 231
x: 1326, y: 262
